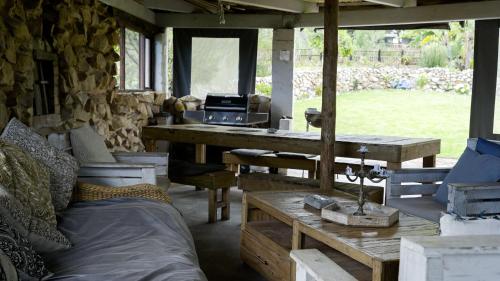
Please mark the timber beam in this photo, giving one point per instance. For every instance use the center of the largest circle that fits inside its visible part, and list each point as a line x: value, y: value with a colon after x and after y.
x: 133, y: 8
x: 291, y: 6
x: 442, y: 13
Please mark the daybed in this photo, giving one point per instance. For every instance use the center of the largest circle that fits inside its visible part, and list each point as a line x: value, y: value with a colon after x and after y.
x: 136, y: 236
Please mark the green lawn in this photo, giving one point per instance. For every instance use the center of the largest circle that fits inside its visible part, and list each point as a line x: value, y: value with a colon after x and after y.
x: 399, y: 113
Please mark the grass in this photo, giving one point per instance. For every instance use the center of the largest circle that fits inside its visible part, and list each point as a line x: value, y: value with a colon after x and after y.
x: 399, y: 113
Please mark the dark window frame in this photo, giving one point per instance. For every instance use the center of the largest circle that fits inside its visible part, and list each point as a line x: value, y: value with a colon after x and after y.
x: 142, y: 62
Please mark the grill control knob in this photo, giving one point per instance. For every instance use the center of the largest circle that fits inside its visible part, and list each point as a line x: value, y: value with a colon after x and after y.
x: 210, y: 117
x: 239, y: 118
x: 224, y: 118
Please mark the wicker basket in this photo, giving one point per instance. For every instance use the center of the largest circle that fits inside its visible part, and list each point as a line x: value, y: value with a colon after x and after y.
x: 91, y: 192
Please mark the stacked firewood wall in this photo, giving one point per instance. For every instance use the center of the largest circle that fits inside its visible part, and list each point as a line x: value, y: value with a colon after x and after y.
x: 83, y: 34
x: 84, y: 39
x: 20, y: 28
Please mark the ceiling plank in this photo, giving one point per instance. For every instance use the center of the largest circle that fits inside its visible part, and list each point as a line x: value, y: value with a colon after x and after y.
x: 395, y: 3
x: 178, y: 6
x: 133, y: 8
x: 291, y: 6
x: 348, y: 19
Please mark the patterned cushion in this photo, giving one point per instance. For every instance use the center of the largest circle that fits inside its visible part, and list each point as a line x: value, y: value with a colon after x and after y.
x: 7, y: 269
x: 89, y: 146
x: 28, y: 263
x: 26, y: 180
x: 62, y: 167
x: 25, y: 199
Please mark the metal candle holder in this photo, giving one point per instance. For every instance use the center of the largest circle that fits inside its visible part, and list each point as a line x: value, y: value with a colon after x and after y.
x: 375, y: 175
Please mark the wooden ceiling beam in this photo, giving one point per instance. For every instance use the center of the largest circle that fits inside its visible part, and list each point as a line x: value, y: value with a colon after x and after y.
x: 395, y: 3
x: 179, y: 6
x: 347, y: 19
x: 133, y: 8
x: 291, y: 6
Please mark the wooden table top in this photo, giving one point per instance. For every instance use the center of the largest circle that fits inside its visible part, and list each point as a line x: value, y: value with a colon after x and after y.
x: 385, y: 148
x: 365, y: 243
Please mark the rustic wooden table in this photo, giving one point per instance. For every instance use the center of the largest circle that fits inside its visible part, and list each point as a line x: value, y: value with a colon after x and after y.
x: 273, y: 223
x: 394, y: 150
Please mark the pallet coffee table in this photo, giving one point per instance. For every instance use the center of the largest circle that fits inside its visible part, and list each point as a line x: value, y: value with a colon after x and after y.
x: 274, y: 223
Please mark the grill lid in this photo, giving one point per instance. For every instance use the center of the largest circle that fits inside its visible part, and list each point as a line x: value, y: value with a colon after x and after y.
x: 228, y: 103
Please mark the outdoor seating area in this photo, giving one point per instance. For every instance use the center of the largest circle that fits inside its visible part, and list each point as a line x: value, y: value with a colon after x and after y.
x: 298, y: 140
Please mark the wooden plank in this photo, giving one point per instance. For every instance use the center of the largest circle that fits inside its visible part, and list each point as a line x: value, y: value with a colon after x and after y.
x: 133, y: 8
x: 318, y: 266
x: 441, y: 13
x: 291, y: 6
x: 380, y: 147
x: 414, y: 189
x: 328, y: 108
x: 419, y: 175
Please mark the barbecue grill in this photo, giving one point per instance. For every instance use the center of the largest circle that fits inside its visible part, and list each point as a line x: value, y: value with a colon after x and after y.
x: 231, y: 110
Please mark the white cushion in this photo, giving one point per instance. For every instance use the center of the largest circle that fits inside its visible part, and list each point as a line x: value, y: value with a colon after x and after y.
x: 88, y: 146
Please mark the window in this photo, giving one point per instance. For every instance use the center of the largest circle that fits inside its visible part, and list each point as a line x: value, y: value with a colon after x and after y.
x: 214, y: 66
x: 496, y: 126
x: 135, y: 61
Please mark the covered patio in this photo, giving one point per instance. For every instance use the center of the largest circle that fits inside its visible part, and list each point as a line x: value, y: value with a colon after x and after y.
x: 107, y: 111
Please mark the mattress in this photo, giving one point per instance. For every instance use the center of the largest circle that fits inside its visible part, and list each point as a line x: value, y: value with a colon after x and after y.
x: 125, y: 239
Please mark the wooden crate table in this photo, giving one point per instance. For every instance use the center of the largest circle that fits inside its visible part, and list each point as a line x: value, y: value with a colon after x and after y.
x: 274, y: 223
x: 393, y: 150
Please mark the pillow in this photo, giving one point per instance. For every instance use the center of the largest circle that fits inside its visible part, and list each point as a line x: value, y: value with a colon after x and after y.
x: 62, y: 167
x: 484, y: 146
x: 27, y: 181
x: 472, y: 167
x: 89, y: 146
x: 90, y: 192
x: 31, y: 213
x: 8, y: 271
x: 28, y: 264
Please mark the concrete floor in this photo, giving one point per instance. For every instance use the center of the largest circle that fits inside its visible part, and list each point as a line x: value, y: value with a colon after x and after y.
x: 217, y: 245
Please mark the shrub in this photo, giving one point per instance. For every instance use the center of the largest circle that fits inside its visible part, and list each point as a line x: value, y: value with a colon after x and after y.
x: 264, y: 89
x: 462, y: 89
x: 263, y: 69
x: 318, y: 90
x: 422, y: 81
x: 434, y: 55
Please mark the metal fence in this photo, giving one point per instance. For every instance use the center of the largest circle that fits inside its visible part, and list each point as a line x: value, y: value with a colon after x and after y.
x: 386, y: 56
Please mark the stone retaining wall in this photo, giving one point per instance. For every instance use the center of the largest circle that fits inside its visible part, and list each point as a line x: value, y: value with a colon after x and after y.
x: 307, y: 84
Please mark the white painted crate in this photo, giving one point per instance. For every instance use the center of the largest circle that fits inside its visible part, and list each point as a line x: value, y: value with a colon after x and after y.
x: 452, y: 258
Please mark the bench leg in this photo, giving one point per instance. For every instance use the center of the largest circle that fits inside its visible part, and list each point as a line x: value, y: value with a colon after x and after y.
x: 393, y: 165
x: 311, y: 174
x: 212, y: 205
x: 429, y: 161
x: 225, y: 204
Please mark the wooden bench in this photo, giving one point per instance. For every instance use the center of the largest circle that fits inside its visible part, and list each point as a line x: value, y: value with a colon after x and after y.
x: 272, y: 182
x: 213, y: 181
x: 233, y: 161
x: 312, y: 265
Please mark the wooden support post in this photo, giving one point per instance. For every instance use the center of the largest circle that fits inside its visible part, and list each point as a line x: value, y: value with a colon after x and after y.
x: 226, y: 201
x: 200, y: 157
x: 328, y: 107
x: 212, y: 205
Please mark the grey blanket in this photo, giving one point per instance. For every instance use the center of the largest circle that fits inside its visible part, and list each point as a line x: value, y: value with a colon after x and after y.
x: 126, y: 240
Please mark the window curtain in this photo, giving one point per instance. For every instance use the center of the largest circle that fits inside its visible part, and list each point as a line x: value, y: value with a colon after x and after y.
x: 182, y: 40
